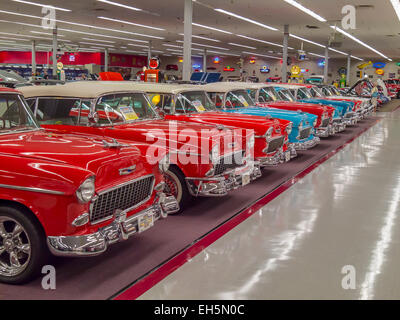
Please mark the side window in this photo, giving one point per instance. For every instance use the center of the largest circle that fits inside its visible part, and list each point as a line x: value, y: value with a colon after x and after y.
x: 301, y: 95
x: 162, y: 101
x: 58, y: 111
x: 31, y: 103
x: 180, y: 106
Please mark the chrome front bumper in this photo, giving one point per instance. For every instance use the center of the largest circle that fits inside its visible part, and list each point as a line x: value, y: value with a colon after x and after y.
x: 339, y: 125
x: 323, y: 132
x: 220, y: 185
x: 279, y: 157
x: 350, y: 119
x: 299, y: 146
x: 119, y: 230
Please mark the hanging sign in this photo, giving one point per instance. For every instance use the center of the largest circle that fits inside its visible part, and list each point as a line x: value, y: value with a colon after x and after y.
x: 379, y: 65
x: 229, y: 69
x: 381, y: 72
x: 265, y: 69
x: 217, y: 60
x: 252, y: 61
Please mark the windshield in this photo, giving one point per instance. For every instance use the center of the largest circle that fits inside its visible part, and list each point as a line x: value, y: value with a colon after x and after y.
x: 124, y: 107
x: 335, y: 91
x: 194, y: 102
x: 316, y: 92
x: 238, y: 99
x: 15, y: 114
x: 304, y: 93
x: 285, y: 94
x: 267, y: 94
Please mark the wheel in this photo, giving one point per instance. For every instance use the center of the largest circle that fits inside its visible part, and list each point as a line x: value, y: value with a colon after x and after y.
x: 23, y: 249
x: 177, y: 187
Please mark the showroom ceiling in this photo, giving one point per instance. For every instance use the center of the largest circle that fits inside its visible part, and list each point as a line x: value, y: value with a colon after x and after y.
x: 377, y: 26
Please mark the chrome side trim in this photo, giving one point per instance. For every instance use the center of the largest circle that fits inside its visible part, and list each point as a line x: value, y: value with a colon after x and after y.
x: 40, y: 190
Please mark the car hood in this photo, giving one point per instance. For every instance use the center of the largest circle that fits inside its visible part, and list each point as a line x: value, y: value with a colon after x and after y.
x: 176, y: 134
x: 293, y: 116
x: 282, y: 104
x: 258, y: 123
x: 68, y: 150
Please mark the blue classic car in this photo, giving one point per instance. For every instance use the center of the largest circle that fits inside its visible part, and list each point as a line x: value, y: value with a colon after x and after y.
x: 233, y: 97
x: 343, y: 115
x: 311, y: 94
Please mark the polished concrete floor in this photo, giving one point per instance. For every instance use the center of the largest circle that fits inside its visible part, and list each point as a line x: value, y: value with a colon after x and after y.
x: 333, y: 235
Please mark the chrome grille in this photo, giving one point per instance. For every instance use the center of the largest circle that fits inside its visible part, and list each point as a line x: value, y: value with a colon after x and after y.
x: 275, y: 144
x: 121, y: 198
x: 325, y: 123
x: 231, y: 161
x: 305, y: 133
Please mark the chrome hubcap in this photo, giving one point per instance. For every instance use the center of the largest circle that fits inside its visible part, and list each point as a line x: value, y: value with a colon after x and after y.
x: 15, y: 247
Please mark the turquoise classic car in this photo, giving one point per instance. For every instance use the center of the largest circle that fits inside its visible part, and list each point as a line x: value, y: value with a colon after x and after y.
x: 231, y: 97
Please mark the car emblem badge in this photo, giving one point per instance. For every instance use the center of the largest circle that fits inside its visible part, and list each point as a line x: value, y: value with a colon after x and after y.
x: 126, y: 171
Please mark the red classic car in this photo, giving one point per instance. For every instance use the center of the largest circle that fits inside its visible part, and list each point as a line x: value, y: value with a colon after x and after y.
x: 393, y: 85
x: 265, y: 96
x: 202, y: 164
x: 70, y: 194
x: 189, y: 103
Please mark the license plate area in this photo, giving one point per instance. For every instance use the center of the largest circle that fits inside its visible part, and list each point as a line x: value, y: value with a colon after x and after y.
x: 245, y: 179
x: 287, y: 156
x: 145, y: 222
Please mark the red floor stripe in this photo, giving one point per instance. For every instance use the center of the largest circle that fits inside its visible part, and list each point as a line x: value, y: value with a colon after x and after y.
x: 140, y: 287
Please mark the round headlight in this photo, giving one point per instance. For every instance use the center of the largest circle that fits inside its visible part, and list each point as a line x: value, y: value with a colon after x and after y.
x: 251, y: 142
x: 86, y: 191
x: 214, y: 156
x: 164, y: 163
x: 268, y: 134
x: 289, y: 128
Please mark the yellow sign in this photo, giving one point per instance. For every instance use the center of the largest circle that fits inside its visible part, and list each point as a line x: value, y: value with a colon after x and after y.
x: 296, y: 70
x: 381, y: 72
x: 60, y: 65
x: 199, y: 106
x: 364, y: 65
x: 128, y: 113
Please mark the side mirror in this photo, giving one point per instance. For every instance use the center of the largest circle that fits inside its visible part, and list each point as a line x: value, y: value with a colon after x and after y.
x: 93, y: 117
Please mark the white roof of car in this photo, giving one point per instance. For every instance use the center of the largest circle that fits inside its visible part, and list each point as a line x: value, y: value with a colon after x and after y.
x: 228, y: 86
x: 283, y: 85
x: 79, y: 89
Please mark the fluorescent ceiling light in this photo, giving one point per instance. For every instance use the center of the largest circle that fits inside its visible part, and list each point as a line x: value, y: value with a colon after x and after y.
x: 211, y: 28
x: 139, y: 52
x: 341, y: 52
x: 396, y: 6
x: 46, y: 33
x: 360, y: 42
x: 306, y: 40
x: 137, y: 45
x: 101, y: 35
x: 98, y: 44
x: 223, y: 53
x: 120, y: 5
x: 89, y: 39
x: 357, y: 58
x: 9, y: 38
x: 246, y: 19
x: 157, y: 51
x: 174, y: 50
x: 7, y: 41
x: 204, y: 38
x: 204, y: 45
x: 316, y: 55
x: 304, y: 9
x: 263, y: 41
x: 41, y: 5
x: 78, y: 24
x: 241, y: 45
x: 261, y: 55
x: 172, y: 45
x: 131, y: 23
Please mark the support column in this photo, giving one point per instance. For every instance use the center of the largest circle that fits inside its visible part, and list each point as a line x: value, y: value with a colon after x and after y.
x: 205, y: 60
x: 149, y: 53
x: 285, y: 53
x: 348, y: 70
x: 106, y: 56
x: 55, y: 52
x: 187, y: 41
x: 33, y: 57
x: 326, y: 65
